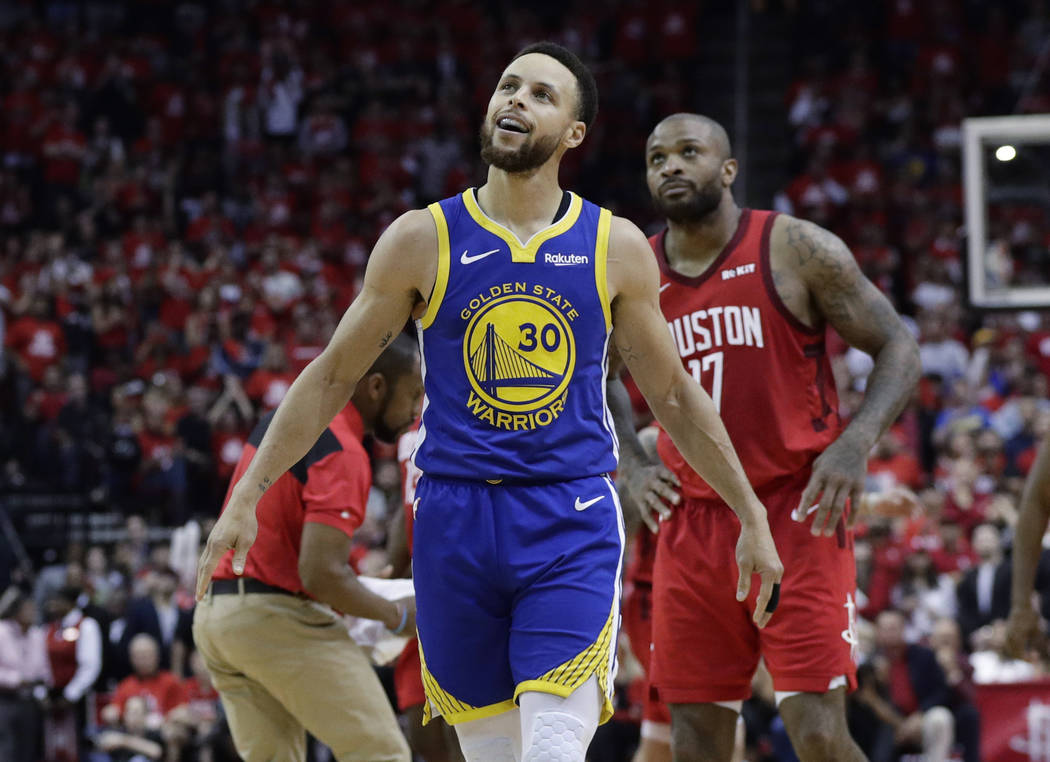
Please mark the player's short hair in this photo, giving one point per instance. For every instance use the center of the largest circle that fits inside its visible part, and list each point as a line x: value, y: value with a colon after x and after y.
x: 586, y: 87
x: 397, y: 359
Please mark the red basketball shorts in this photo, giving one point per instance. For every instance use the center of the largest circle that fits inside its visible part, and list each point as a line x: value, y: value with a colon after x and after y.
x: 638, y: 624
x: 705, y: 645
x: 408, y: 677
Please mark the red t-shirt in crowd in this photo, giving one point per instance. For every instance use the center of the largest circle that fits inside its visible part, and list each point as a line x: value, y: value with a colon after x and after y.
x: 328, y: 486
x: 162, y: 692
x: 39, y: 343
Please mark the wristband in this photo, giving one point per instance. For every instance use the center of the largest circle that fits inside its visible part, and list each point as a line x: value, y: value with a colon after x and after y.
x: 404, y: 619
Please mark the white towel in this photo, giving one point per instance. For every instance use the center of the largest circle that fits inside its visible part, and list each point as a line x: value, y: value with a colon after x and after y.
x: 378, y: 642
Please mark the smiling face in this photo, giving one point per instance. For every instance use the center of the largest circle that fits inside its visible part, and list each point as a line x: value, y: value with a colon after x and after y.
x: 531, y: 115
x: 688, y: 168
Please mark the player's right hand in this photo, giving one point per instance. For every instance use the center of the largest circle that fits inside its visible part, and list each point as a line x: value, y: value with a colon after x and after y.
x: 235, y: 530
x: 1022, y: 631
x: 653, y: 489
x: 756, y: 553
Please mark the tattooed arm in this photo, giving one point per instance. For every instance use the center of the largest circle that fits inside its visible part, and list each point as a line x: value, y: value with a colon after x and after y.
x: 819, y: 280
x: 400, y: 271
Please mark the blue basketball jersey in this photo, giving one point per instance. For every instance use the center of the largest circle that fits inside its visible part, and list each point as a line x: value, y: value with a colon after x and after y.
x: 514, y: 345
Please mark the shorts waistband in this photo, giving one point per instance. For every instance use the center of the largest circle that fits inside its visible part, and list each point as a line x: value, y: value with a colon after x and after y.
x: 508, y: 481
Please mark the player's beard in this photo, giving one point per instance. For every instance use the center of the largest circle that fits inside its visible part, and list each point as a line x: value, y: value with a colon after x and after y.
x: 532, y: 154
x: 695, y: 207
x: 381, y: 429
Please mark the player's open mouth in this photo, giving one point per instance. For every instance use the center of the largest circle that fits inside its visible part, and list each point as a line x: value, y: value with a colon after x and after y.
x: 512, y: 124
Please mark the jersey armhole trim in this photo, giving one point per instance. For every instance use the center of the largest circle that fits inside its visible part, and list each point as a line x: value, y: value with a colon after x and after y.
x: 601, y: 258
x: 441, y: 281
x: 771, y: 289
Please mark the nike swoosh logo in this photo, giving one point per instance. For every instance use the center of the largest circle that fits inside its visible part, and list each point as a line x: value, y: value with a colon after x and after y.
x: 466, y: 258
x: 584, y: 506
x: 664, y: 286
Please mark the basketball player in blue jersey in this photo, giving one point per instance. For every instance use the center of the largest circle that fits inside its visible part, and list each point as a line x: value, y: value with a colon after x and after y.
x: 516, y: 288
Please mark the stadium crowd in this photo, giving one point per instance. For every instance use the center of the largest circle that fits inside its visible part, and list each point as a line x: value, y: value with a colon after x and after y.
x: 188, y: 194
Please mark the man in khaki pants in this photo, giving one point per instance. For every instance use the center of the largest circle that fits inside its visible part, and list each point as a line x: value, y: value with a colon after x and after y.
x: 280, y: 656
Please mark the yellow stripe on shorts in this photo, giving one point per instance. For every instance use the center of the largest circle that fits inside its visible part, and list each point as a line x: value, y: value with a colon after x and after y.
x: 448, y: 706
x: 567, y: 677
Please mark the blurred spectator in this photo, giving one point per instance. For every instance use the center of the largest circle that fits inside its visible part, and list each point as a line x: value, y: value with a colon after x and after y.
x: 102, y: 580
x: 193, y: 430
x: 74, y: 649
x: 160, y: 617
x: 922, y: 595
x: 984, y: 591
x: 159, y: 688
x: 947, y: 644
x: 939, y: 352
x: 280, y: 93
x: 197, y: 724
x: 24, y: 673
x: 267, y: 386
x: 36, y: 339
x: 132, y: 740
x: 890, y: 464
x: 904, y: 696
x: 966, y: 501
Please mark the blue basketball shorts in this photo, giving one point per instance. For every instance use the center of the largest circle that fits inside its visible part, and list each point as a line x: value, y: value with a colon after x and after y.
x: 517, y: 589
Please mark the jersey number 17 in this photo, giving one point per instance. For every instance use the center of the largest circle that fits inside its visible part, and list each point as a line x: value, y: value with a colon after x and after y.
x: 709, y: 368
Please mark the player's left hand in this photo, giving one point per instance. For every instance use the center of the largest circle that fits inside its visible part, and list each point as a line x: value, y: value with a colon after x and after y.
x: 756, y: 553
x: 838, y: 474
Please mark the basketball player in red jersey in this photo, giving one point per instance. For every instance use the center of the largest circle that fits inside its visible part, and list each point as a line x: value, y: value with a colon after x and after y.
x: 748, y: 296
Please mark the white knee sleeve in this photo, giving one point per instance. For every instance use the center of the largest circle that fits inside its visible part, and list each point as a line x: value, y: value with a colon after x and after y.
x: 492, y: 739
x: 557, y: 737
x: 556, y: 729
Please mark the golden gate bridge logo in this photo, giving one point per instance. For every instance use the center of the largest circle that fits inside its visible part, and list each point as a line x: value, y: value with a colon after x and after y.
x: 496, y: 365
x: 519, y: 354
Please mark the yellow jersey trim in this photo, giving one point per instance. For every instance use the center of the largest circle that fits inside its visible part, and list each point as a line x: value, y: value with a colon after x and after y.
x: 566, y: 678
x: 522, y: 252
x: 441, y: 281
x: 601, y: 258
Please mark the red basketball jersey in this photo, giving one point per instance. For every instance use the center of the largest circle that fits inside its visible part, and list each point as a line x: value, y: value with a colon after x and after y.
x: 767, y: 372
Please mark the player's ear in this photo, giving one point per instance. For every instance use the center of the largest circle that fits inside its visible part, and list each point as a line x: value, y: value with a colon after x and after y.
x: 376, y: 385
x: 575, y: 134
x: 729, y: 170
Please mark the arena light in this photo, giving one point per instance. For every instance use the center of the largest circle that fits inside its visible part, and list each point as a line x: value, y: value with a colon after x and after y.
x: 1006, y: 153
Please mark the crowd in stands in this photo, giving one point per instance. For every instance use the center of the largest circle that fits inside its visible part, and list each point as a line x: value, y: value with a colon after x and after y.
x: 188, y: 194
